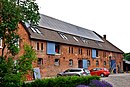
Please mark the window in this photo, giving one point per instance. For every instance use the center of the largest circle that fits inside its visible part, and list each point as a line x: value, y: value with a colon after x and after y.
x: 72, y: 50
x: 96, y: 53
x: 57, y: 48
x: 40, y: 61
x: 57, y: 62
x: 35, y: 30
x: 41, y: 46
x: 97, y: 63
x: 104, y: 63
x: 104, y: 54
x: 88, y: 52
x: 98, y: 43
x: 80, y: 51
x: 75, y: 39
x: 37, y: 46
x: 88, y: 63
x: 63, y: 36
x: 84, y: 40
x: 69, y: 49
x: 70, y: 62
x: 38, y: 31
x: 53, y: 48
x: 0, y: 43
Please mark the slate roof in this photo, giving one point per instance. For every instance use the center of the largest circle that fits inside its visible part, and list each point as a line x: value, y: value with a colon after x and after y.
x: 51, y: 28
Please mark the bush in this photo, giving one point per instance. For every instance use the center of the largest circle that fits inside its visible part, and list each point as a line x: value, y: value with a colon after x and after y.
x: 70, y: 81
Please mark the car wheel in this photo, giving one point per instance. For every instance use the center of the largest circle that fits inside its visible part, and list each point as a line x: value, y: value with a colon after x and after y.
x: 102, y: 75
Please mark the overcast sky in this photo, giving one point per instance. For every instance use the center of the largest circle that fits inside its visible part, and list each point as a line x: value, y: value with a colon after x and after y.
x: 110, y: 17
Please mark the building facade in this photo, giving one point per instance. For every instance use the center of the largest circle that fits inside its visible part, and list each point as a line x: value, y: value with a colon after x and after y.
x: 60, y: 45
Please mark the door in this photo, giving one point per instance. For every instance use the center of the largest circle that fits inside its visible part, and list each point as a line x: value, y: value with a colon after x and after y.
x: 113, y: 66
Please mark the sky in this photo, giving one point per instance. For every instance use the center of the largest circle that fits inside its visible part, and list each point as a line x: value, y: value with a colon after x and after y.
x: 106, y: 17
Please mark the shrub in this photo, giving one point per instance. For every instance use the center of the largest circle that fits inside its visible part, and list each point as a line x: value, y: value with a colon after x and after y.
x: 70, y: 81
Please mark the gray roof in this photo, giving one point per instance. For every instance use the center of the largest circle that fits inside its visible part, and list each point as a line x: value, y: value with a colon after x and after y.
x: 57, y: 25
x: 49, y: 31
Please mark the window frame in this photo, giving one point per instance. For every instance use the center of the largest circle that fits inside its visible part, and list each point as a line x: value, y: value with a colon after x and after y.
x: 70, y: 62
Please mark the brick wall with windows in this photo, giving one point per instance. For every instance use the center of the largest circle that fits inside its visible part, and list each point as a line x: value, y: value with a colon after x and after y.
x: 56, y: 57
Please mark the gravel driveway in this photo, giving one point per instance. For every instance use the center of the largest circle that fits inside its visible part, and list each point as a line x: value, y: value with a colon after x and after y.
x: 118, y: 80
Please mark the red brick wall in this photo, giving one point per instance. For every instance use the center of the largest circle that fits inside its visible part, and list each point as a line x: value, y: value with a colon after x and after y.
x: 49, y: 69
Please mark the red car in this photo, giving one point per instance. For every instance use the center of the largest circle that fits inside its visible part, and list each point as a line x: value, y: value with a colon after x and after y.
x: 103, y: 72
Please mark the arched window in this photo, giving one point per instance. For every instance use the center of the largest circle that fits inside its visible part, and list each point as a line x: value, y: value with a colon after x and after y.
x: 97, y: 63
x: 70, y: 62
x: 88, y: 62
x: 104, y: 63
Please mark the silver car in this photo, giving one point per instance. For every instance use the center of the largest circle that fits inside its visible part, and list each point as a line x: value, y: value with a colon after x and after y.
x: 75, y: 72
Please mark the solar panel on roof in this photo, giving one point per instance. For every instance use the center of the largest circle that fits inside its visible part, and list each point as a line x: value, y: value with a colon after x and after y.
x: 61, y: 26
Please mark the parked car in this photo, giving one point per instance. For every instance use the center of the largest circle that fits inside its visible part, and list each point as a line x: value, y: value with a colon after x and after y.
x: 100, y: 72
x: 75, y: 72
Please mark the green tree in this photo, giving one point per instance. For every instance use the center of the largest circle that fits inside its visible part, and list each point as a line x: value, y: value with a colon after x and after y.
x: 127, y: 56
x: 13, y: 12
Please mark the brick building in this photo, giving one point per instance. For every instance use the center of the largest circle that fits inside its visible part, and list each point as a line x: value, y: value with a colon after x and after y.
x: 60, y: 45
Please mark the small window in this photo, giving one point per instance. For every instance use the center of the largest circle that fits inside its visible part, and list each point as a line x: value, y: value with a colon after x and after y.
x: 0, y: 43
x: 57, y: 62
x: 57, y: 48
x: 72, y: 50
x: 41, y: 46
x: 97, y: 53
x: 69, y: 49
x: 87, y: 52
x: 33, y: 30
x: 38, y: 31
x: 70, y: 62
x: 80, y: 51
x: 63, y: 36
x: 75, y: 39
x: 37, y: 45
x: 104, y: 54
x: 88, y: 62
x: 84, y: 40
x: 97, y: 63
x: 40, y: 61
x: 104, y: 63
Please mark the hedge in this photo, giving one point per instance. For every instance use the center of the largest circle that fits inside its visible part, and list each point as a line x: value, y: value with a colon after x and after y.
x: 70, y: 81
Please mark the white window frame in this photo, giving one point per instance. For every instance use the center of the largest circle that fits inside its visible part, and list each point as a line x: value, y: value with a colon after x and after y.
x: 0, y: 43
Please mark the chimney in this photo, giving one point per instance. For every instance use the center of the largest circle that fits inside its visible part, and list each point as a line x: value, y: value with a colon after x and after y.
x: 104, y: 36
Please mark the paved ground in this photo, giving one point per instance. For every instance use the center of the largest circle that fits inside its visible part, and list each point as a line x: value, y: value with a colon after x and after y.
x: 118, y: 80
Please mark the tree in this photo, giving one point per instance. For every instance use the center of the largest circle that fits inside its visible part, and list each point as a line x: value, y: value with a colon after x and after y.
x: 127, y: 56
x: 13, y: 12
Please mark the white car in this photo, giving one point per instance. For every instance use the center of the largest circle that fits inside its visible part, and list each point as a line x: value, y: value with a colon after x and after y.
x: 75, y: 72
